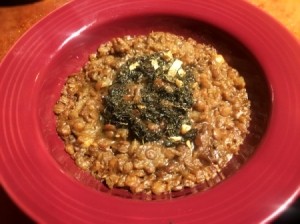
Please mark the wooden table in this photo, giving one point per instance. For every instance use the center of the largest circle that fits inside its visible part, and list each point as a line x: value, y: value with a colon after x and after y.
x: 17, y: 17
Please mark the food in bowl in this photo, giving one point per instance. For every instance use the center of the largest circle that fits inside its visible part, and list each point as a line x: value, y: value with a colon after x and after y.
x: 153, y: 113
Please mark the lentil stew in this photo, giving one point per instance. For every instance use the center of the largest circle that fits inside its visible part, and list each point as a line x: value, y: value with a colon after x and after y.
x: 154, y: 113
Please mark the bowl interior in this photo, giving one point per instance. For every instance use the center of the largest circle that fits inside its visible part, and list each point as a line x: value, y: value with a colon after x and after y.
x: 73, y: 53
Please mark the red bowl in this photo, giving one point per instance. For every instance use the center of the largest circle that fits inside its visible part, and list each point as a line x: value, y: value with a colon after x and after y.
x: 45, y: 183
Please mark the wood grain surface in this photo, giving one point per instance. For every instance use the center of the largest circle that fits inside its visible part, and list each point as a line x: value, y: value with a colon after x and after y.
x: 17, y: 17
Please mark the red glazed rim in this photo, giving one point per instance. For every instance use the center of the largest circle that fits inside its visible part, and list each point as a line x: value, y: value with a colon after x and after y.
x: 31, y: 77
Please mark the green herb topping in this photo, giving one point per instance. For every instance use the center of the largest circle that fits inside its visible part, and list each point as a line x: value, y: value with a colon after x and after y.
x: 151, y: 96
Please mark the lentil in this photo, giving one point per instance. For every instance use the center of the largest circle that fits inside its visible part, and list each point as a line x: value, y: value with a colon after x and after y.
x: 179, y: 133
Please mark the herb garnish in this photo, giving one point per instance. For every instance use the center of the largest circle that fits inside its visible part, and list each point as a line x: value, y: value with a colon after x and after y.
x: 151, y: 96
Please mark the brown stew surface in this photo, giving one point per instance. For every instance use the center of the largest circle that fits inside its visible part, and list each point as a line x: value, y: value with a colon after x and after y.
x: 154, y: 113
